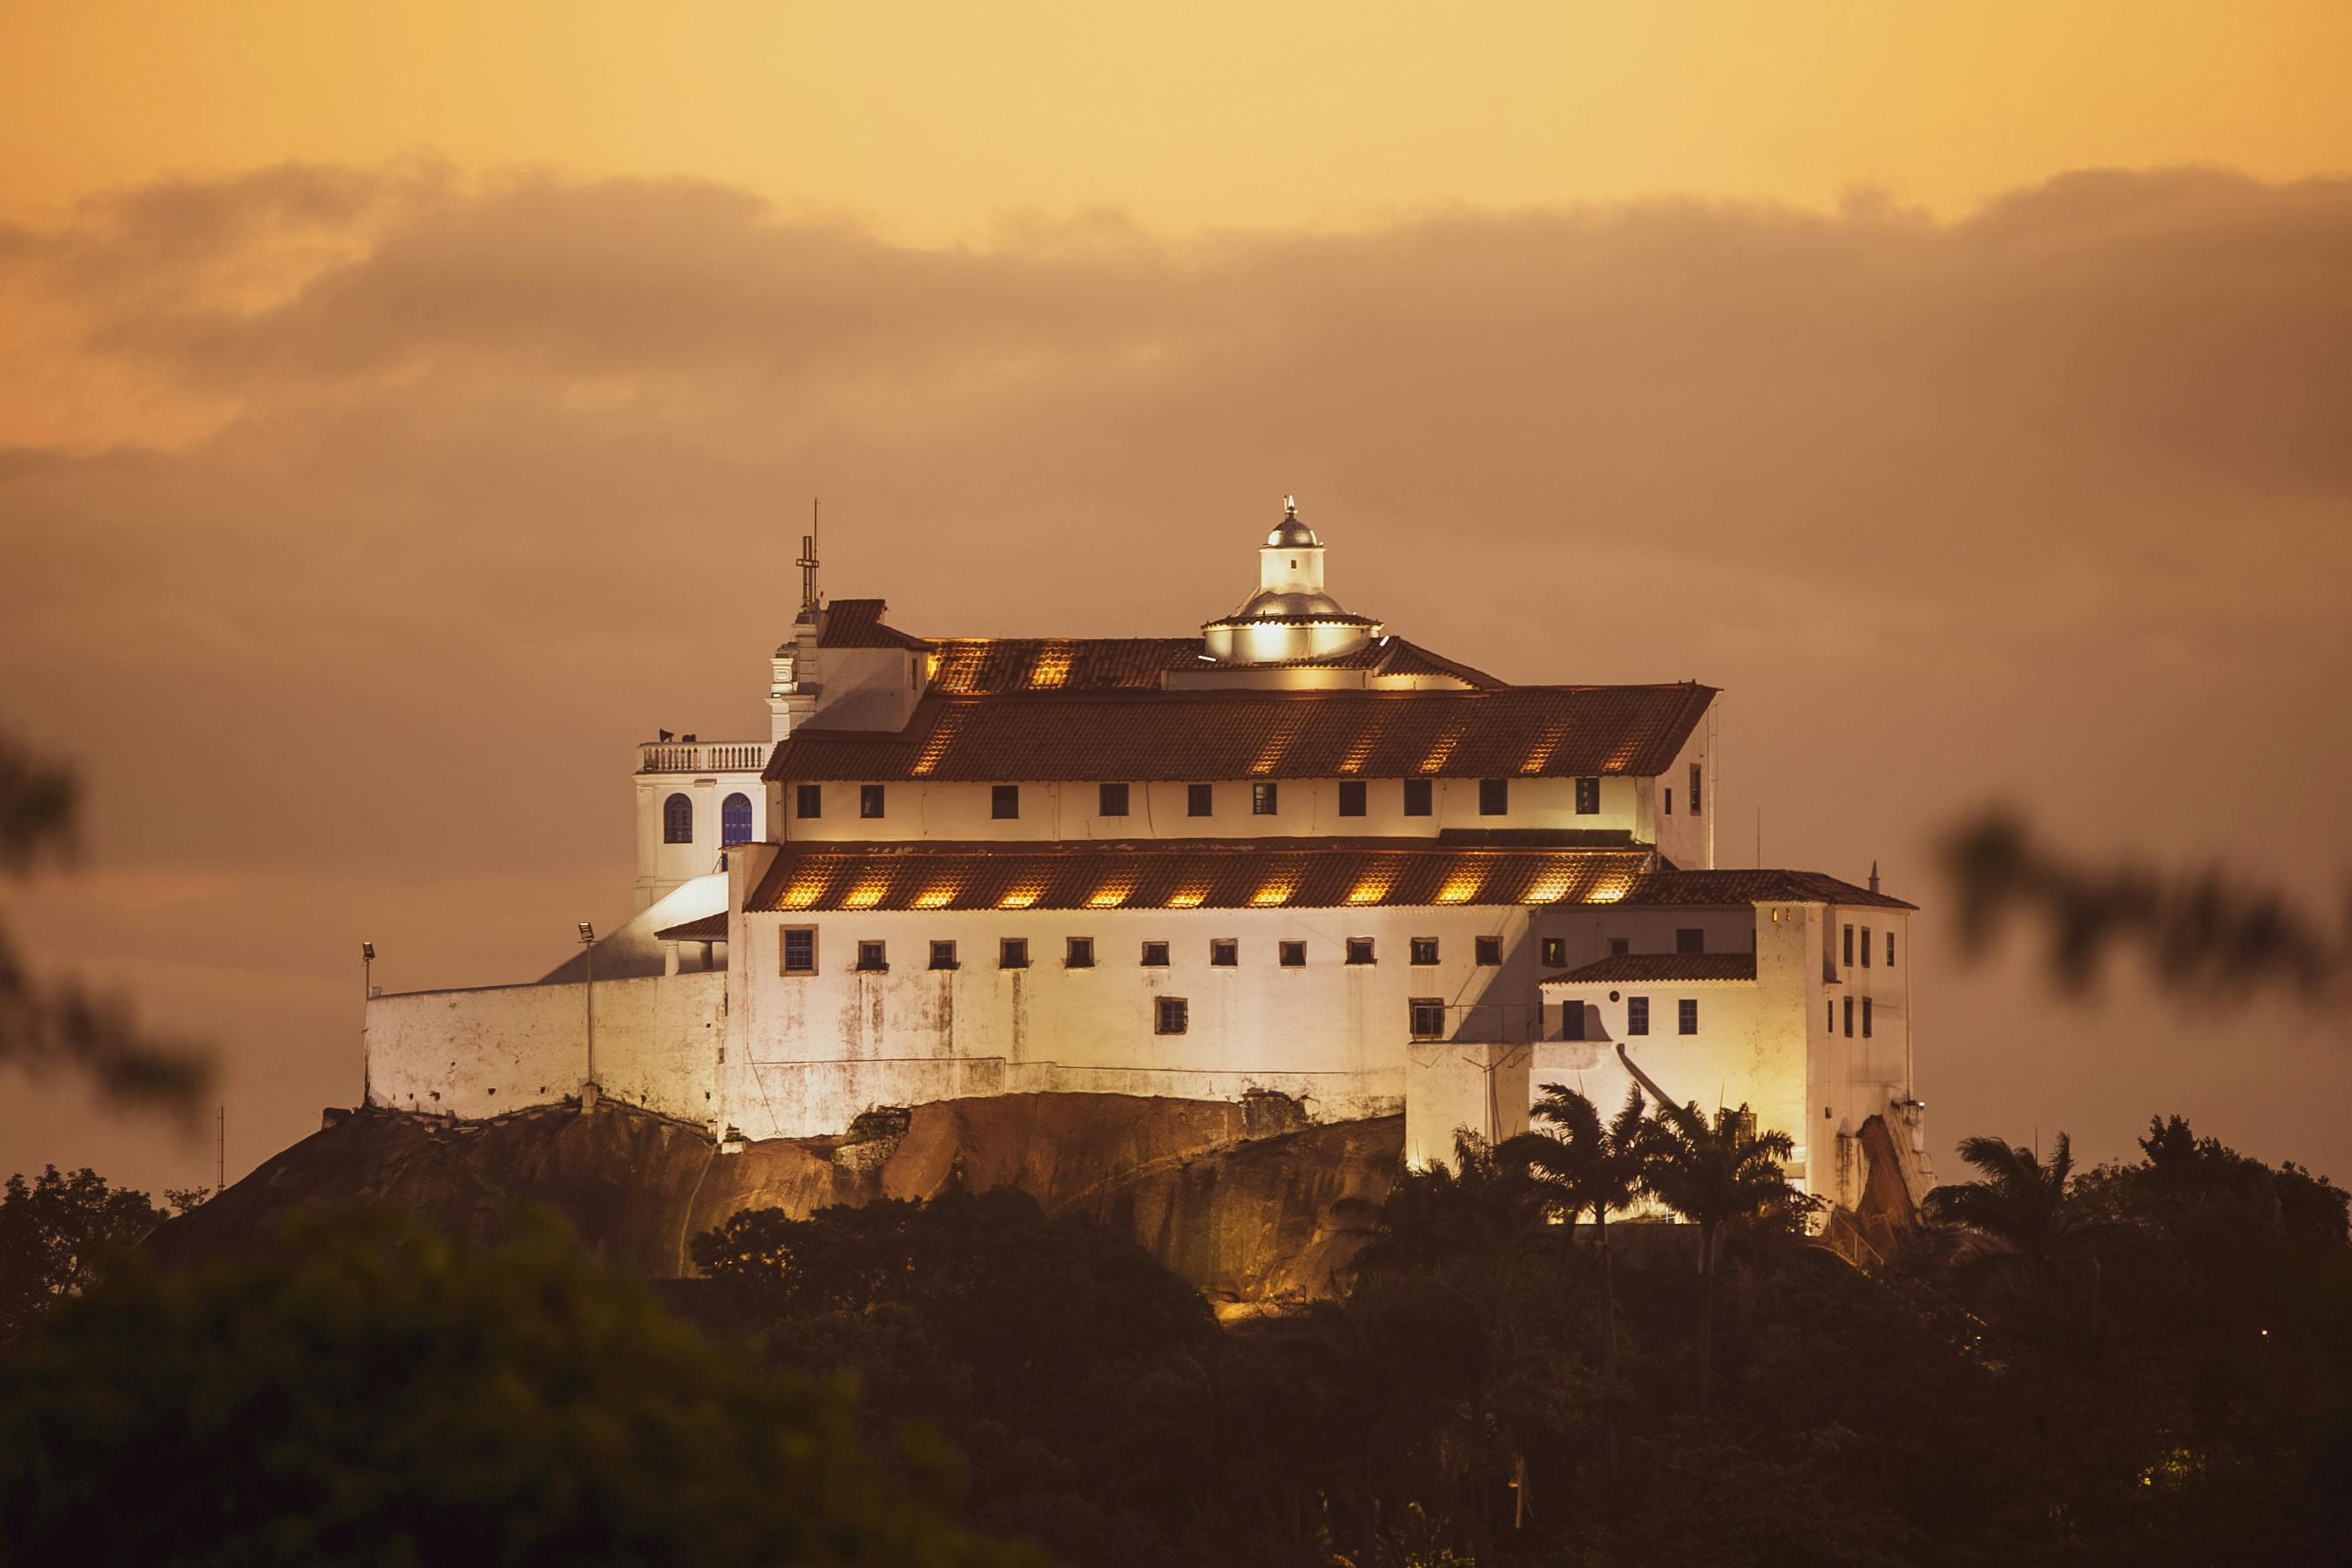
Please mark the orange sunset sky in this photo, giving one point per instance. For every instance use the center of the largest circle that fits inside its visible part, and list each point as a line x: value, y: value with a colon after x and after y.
x: 404, y: 410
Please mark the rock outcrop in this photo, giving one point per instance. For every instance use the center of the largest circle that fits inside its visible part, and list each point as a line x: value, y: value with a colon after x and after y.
x: 1238, y: 1199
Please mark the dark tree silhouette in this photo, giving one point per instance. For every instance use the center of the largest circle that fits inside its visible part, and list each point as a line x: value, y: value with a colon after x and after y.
x: 55, y: 1231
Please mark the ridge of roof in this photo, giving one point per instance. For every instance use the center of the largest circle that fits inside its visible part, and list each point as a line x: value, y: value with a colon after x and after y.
x: 709, y: 928
x: 858, y: 623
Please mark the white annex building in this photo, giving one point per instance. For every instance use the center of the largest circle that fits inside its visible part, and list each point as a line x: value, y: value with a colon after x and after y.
x: 1295, y: 855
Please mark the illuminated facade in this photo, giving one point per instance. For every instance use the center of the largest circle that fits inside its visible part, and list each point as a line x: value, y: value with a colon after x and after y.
x: 1294, y: 855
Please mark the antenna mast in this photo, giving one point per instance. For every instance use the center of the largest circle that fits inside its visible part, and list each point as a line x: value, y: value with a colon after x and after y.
x: 807, y: 563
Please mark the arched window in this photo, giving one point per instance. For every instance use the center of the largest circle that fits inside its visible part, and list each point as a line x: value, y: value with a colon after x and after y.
x: 677, y: 820
x: 735, y: 819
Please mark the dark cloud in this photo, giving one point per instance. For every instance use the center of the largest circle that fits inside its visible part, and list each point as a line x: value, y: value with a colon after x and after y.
x: 2048, y: 503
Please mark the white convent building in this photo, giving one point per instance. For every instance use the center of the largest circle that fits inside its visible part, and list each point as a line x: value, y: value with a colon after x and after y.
x: 1295, y: 855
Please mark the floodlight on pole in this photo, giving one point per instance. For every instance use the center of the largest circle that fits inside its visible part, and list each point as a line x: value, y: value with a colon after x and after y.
x: 588, y: 952
x: 367, y: 995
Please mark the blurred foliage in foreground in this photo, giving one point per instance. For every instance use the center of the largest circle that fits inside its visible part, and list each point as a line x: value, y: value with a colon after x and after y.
x: 53, y: 1026
x: 378, y: 1395
x: 2199, y: 932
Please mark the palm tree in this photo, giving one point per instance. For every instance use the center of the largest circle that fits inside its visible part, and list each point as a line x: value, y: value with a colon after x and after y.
x: 1715, y: 1174
x: 2020, y: 1223
x: 1584, y: 1164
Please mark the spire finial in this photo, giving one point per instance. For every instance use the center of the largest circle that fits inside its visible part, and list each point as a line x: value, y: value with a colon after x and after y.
x: 1290, y: 506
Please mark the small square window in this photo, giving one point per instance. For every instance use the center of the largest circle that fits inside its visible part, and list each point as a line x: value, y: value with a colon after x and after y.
x: 1012, y: 953
x: 1004, y: 801
x: 1686, y: 1016
x: 1618, y: 946
x: 1079, y: 953
x: 943, y: 956
x: 1200, y: 800
x: 1555, y: 953
x: 1352, y: 798
x: 1637, y: 1014
x: 1690, y: 939
x: 1423, y: 950
x: 1110, y: 800
x: 808, y: 800
x: 1428, y: 1018
x: 1865, y: 1017
x: 1224, y: 953
x: 800, y: 950
x: 1493, y: 797
x: 1420, y: 797
x: 1693, y: 789
x: 1571, y: 1020
x: 1866, y: 946
x: 869, y: 800
x: 873, y: 956
x: 1489, y: 950
x: 1359, y: 949
x: 1265, y: 800
x: 1155, y: 955
x: 1587, y: 798
x: 1291, y: 955
x: 1167, y: 1017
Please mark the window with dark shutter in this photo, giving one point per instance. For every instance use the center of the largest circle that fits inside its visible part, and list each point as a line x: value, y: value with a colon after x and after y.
x: 1694, y: 789
x: 1587, y: 798
x: 1200, y: 800
x: 1493, y: 797
x: 1155, y: 955
x: 1427, y: 1016
x: 869, y: 800
x: 1555, y: 953
x: 1079, y: 953
x: 1571, y: 1020
x: 1866, y: 946
x: 1359, y: 949
x: 873, y: 956
x: 1012, y: 953
x: 1110, y: 800
x: 1690, y: 939
x: 1420, y: 797
x: 1224, y: 953
x: 1489, y: 950
x: 1849, y: 1018
x: 1291, y: 955
x: 1423, y: 950
x: 1169, y: 1016
x: 1265, y: 800
x: 1865, y: 1017
x: 943, y: 956
x: 1849, y: 947
x: 1686, y: 1016
x: 1003, y: 801
x: 1352, y: 798
x: 808, y: 800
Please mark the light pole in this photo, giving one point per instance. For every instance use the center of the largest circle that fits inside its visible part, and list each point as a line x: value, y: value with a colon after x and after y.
x: 367, y: 995
x: 588, y: 951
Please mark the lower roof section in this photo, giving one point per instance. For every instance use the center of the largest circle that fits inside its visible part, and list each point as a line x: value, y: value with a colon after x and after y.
x: 1727, y: 887
x: 1228, y: 874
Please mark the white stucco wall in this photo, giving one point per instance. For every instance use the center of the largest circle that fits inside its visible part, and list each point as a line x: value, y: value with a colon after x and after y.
x: 483, y: 1052
x: 1058, y: 812
x: 662, y: 866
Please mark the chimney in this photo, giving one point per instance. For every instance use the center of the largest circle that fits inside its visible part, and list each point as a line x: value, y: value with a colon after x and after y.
x: 1873, y: 876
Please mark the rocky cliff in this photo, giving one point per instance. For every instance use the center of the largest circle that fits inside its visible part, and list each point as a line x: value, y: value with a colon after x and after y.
x: 1236, y: 1198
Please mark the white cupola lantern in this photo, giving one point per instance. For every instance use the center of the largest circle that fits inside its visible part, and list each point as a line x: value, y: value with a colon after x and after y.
x: 1290, y: 616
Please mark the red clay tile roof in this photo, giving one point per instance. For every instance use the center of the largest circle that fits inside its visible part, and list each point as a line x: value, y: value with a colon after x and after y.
x: 858, y: 623
x: 1727, y: 887
x: 1635, y: 968
x: 1221, y: 874
x: 1535, y: 731
x: 709, y: 928
x: 981, y: 667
